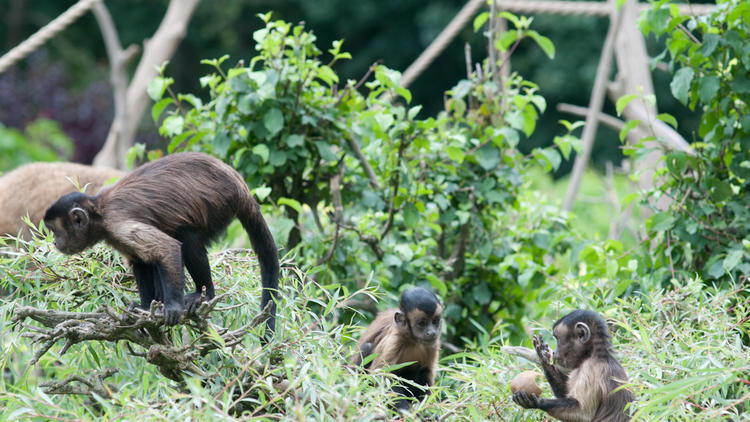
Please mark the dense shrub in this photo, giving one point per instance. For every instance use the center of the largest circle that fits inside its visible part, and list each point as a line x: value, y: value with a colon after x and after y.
x: 707, y: 225
x: 371, y: 190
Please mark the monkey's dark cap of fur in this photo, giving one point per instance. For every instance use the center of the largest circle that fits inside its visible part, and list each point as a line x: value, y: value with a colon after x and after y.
x: 64, y: 204
x: 419, y: 298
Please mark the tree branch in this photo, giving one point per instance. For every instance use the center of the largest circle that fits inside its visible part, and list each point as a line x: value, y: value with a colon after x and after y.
x: 136, y: 326
x: 155, y: 52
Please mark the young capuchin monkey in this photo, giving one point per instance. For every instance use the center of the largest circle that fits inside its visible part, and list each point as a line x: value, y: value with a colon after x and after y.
x: 586, y: 394
x: 161, y: 217
x: 409, y: 333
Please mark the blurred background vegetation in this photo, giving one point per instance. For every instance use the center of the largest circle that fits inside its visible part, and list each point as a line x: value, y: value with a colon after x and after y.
x: 68, y: 79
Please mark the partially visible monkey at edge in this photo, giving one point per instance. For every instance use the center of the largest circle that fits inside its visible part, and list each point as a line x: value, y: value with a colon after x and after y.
x: 409, y: 333
x: 161, y: 216
x: 586, y: 394
x: 31, y: 188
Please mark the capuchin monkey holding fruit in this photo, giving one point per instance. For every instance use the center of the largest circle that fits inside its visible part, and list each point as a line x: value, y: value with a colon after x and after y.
x: 588, y: 392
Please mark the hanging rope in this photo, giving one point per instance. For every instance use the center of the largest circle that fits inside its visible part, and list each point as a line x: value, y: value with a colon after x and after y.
x: 45, y: 33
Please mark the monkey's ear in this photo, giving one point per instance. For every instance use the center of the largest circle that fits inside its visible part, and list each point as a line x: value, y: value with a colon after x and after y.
x: 583, y: 332
x: 400, y: 318
x: 79, y: 217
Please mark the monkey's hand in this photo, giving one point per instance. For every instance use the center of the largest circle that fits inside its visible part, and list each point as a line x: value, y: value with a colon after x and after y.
x: 526, y: 400
x: 542, y: 350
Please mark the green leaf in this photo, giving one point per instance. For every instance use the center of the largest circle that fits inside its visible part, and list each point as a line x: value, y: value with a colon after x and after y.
x: 222, y: 143
x: 455, y: 153
x: 680, y: 85
x: 294, y: 140
x: 660, y: 222
x: 172, y: 126
x: 733, y: 258
x: 545, y: 43
x: 506, y: 39
x: 707, y: 88
x: 480, y: 20
x: 262, y: 151
x: 488, y: 157
x: 157, y: 87
x: 159, y: 107
x: 325, y: 151
x: 629, y: 125
x: 668, y: 119
x: 291, y: 203
x: 482, y: 293
x: 623, y: 102
x: 262, y: 192
x: 273, y: 121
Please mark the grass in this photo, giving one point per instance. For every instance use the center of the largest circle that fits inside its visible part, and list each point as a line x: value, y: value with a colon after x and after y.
x: 682, y: 348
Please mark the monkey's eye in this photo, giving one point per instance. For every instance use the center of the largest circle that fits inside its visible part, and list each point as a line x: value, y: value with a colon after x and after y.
x: 422, y: 323
x: 436, y: 321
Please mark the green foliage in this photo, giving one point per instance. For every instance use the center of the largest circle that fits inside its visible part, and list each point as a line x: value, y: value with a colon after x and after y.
x: 665, y: 341
x: 708, y: 223
x: 43, y: 140
x: 372, y: 191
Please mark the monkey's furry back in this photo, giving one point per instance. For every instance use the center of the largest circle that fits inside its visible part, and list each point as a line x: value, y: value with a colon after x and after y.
x: 184, y: 190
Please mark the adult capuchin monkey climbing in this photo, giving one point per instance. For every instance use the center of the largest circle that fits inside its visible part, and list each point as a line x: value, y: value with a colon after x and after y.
x: 161, y: 217
x: 31, y: 188
x: 587, y: 393
x: 409, y: 333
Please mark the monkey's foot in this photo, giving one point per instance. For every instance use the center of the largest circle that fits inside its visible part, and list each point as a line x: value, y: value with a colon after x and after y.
x: 193, y: 300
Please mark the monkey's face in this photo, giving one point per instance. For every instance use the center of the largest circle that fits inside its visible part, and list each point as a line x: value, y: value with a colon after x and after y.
x: 69, y: 220
x: 573, y: 345
x: 68, y: 239
x: 425, y: 328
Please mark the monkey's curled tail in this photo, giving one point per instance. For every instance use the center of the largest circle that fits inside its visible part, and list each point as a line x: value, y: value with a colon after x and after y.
x: 268, y: 258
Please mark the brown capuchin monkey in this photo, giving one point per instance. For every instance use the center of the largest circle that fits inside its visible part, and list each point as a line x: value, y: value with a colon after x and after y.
x: 587, y: 393
x: 31, y: 188
x: 409, y: 333
x: 161, y: 217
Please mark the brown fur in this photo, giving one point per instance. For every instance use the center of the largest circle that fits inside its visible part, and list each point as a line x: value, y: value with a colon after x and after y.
x: 587, y: 393
x: 31, y: 188
x: 161, y: 216
x: 394, y: 346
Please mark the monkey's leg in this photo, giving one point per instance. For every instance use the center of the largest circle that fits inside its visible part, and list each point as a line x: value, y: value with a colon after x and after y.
x: 145, y: 275
x: 153, y: 246
x: 565, y: 409
x: 196, y: 261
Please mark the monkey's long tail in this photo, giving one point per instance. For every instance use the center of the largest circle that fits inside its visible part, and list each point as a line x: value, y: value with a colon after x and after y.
x: 268, y: 258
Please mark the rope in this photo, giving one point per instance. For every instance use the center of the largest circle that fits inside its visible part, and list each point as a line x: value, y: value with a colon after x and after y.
x: 587, y: 8
x: 45, y: 33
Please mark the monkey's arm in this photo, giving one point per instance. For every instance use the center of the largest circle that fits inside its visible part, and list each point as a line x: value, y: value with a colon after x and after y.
x: 558, y: 381
x: 566, y: 409
x: 152, y: 246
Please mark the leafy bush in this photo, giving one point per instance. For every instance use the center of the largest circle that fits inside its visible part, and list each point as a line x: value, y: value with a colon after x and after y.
x: 707, y: 225
x: 371, y: 190
x: 684, y: 364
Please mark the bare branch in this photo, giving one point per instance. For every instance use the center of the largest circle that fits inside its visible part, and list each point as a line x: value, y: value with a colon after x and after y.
x: 92, y: 385
x: 155, y: 52
x: 365, y: 163
x: 135, y: 326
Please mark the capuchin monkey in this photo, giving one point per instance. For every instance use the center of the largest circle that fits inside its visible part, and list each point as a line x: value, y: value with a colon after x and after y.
x: 161, y: 217
x: 31, y: 188
x: 586, y: 394
x: 409, y: 333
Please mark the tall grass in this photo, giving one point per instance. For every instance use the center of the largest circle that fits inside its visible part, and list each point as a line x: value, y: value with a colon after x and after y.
x: 682, y: 348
